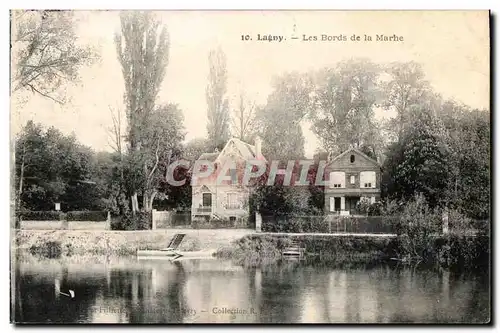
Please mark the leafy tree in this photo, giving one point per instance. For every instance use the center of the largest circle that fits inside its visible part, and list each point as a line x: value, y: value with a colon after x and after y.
x: 418, y: 222
x: 45, y: 52
x: 406, y: 87
x: 218, y: 105
x: 280, y: 119
x: 468, y: 138
x: 193, y: 149
x: 280, y: 199
x: 52, y: 167
x: 109, y: 177
x: 143, y: 50
x: 418, y: 164
x: 175, y: 197
x: 243, y: 120
x: 344, y: 98
x: 162, y: 137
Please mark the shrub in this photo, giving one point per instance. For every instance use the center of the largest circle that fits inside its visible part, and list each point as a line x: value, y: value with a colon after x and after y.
x: 97, y: 216
x: 363, y: 205
x: 180, y: 218
x: 294, y: 224
x: 40, y: 215
x: 334, y: 224
x: 416, y: 228
x: 48, y: 249
x: 254, y: 249
x: 212, y: 223
x: 463, y: 251
x: 375, y: 209
x: 129, y: 221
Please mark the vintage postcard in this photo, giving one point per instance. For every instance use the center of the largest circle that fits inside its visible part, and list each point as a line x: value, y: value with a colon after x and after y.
x: 258, y: 167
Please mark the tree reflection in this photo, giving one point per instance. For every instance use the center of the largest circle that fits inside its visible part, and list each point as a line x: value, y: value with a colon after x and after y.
x: 38, y: 301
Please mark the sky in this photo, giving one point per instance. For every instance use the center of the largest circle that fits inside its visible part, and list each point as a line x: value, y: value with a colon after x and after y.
x: 452, y: 47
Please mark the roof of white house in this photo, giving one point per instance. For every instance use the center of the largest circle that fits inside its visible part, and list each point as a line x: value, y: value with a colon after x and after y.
x: 246, y: 150
x: 209, y: 156
x: 352, y: 149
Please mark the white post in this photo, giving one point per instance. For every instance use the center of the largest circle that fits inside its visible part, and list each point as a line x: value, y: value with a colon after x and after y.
x: 445, y: 222
x: 153, y: 218
x: 108, y: 221
x: 258, y: 222
x: 342, y: 203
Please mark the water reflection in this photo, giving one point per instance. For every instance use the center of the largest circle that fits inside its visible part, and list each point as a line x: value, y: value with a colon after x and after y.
x: 213, y: 291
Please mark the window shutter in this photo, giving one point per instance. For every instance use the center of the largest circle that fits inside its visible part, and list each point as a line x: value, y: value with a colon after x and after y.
x: 367, y: 177
x: 362, y: 179
x: 337, y: 178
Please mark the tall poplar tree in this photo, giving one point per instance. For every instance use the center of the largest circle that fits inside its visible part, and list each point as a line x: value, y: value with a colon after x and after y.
x: 217, y: 102
x: 142, y: 46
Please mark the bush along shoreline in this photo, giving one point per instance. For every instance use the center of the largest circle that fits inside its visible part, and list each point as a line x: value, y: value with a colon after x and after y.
x: 419, y: 238
x: 451, y: 251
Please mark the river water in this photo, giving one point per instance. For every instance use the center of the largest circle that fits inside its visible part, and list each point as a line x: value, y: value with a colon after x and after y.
x: 216, y: 291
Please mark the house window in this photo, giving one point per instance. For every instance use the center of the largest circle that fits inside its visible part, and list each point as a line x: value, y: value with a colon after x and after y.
x: 337, y: 179
x: 207, y: 199
x: 234, y: 176
x: 353, y: 179
x: 367, y: 179
x: 232, y: 201
x: 353, y: 158
x: 335, y: 204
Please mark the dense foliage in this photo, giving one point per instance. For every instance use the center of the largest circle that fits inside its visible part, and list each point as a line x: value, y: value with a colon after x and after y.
x: 52, y: 167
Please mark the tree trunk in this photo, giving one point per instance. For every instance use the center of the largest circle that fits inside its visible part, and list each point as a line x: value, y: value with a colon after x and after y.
x: 135, y: 203
x: 148, y: 200
x: 21, y: 177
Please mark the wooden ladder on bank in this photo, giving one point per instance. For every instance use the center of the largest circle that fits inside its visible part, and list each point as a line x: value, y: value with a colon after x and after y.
x: 294, y: 250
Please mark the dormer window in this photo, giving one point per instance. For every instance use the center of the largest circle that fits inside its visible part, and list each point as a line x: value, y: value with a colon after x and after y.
x: 353, y: 158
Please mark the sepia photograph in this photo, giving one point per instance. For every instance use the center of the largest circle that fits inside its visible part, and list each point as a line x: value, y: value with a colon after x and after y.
x: 250, y: 167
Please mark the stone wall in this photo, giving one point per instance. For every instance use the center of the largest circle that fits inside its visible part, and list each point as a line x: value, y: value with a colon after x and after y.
x: 64, y: 225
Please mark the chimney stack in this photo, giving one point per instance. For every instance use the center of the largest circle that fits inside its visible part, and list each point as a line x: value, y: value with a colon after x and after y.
x: 258, y: 146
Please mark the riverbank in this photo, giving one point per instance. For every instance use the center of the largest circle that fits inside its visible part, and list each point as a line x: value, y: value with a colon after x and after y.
x: 56, y: 243
x: 246, y: 247
x: 449, y: 251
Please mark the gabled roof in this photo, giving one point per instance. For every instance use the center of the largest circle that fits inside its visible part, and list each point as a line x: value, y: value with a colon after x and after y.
x: 359, y: 152
x: 209, y: 156
x: 246, y: 150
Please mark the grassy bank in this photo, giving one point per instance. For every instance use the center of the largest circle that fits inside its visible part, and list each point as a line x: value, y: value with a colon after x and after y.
x: 247, y: 248
x: 450, y: 251
x: 257, y: 249
x: 57, y: 243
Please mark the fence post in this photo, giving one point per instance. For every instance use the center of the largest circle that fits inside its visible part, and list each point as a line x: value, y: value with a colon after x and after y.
x: 445, y: 222
x: 153, y: 220
x: 108, y: 221
x: 258, y: 222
